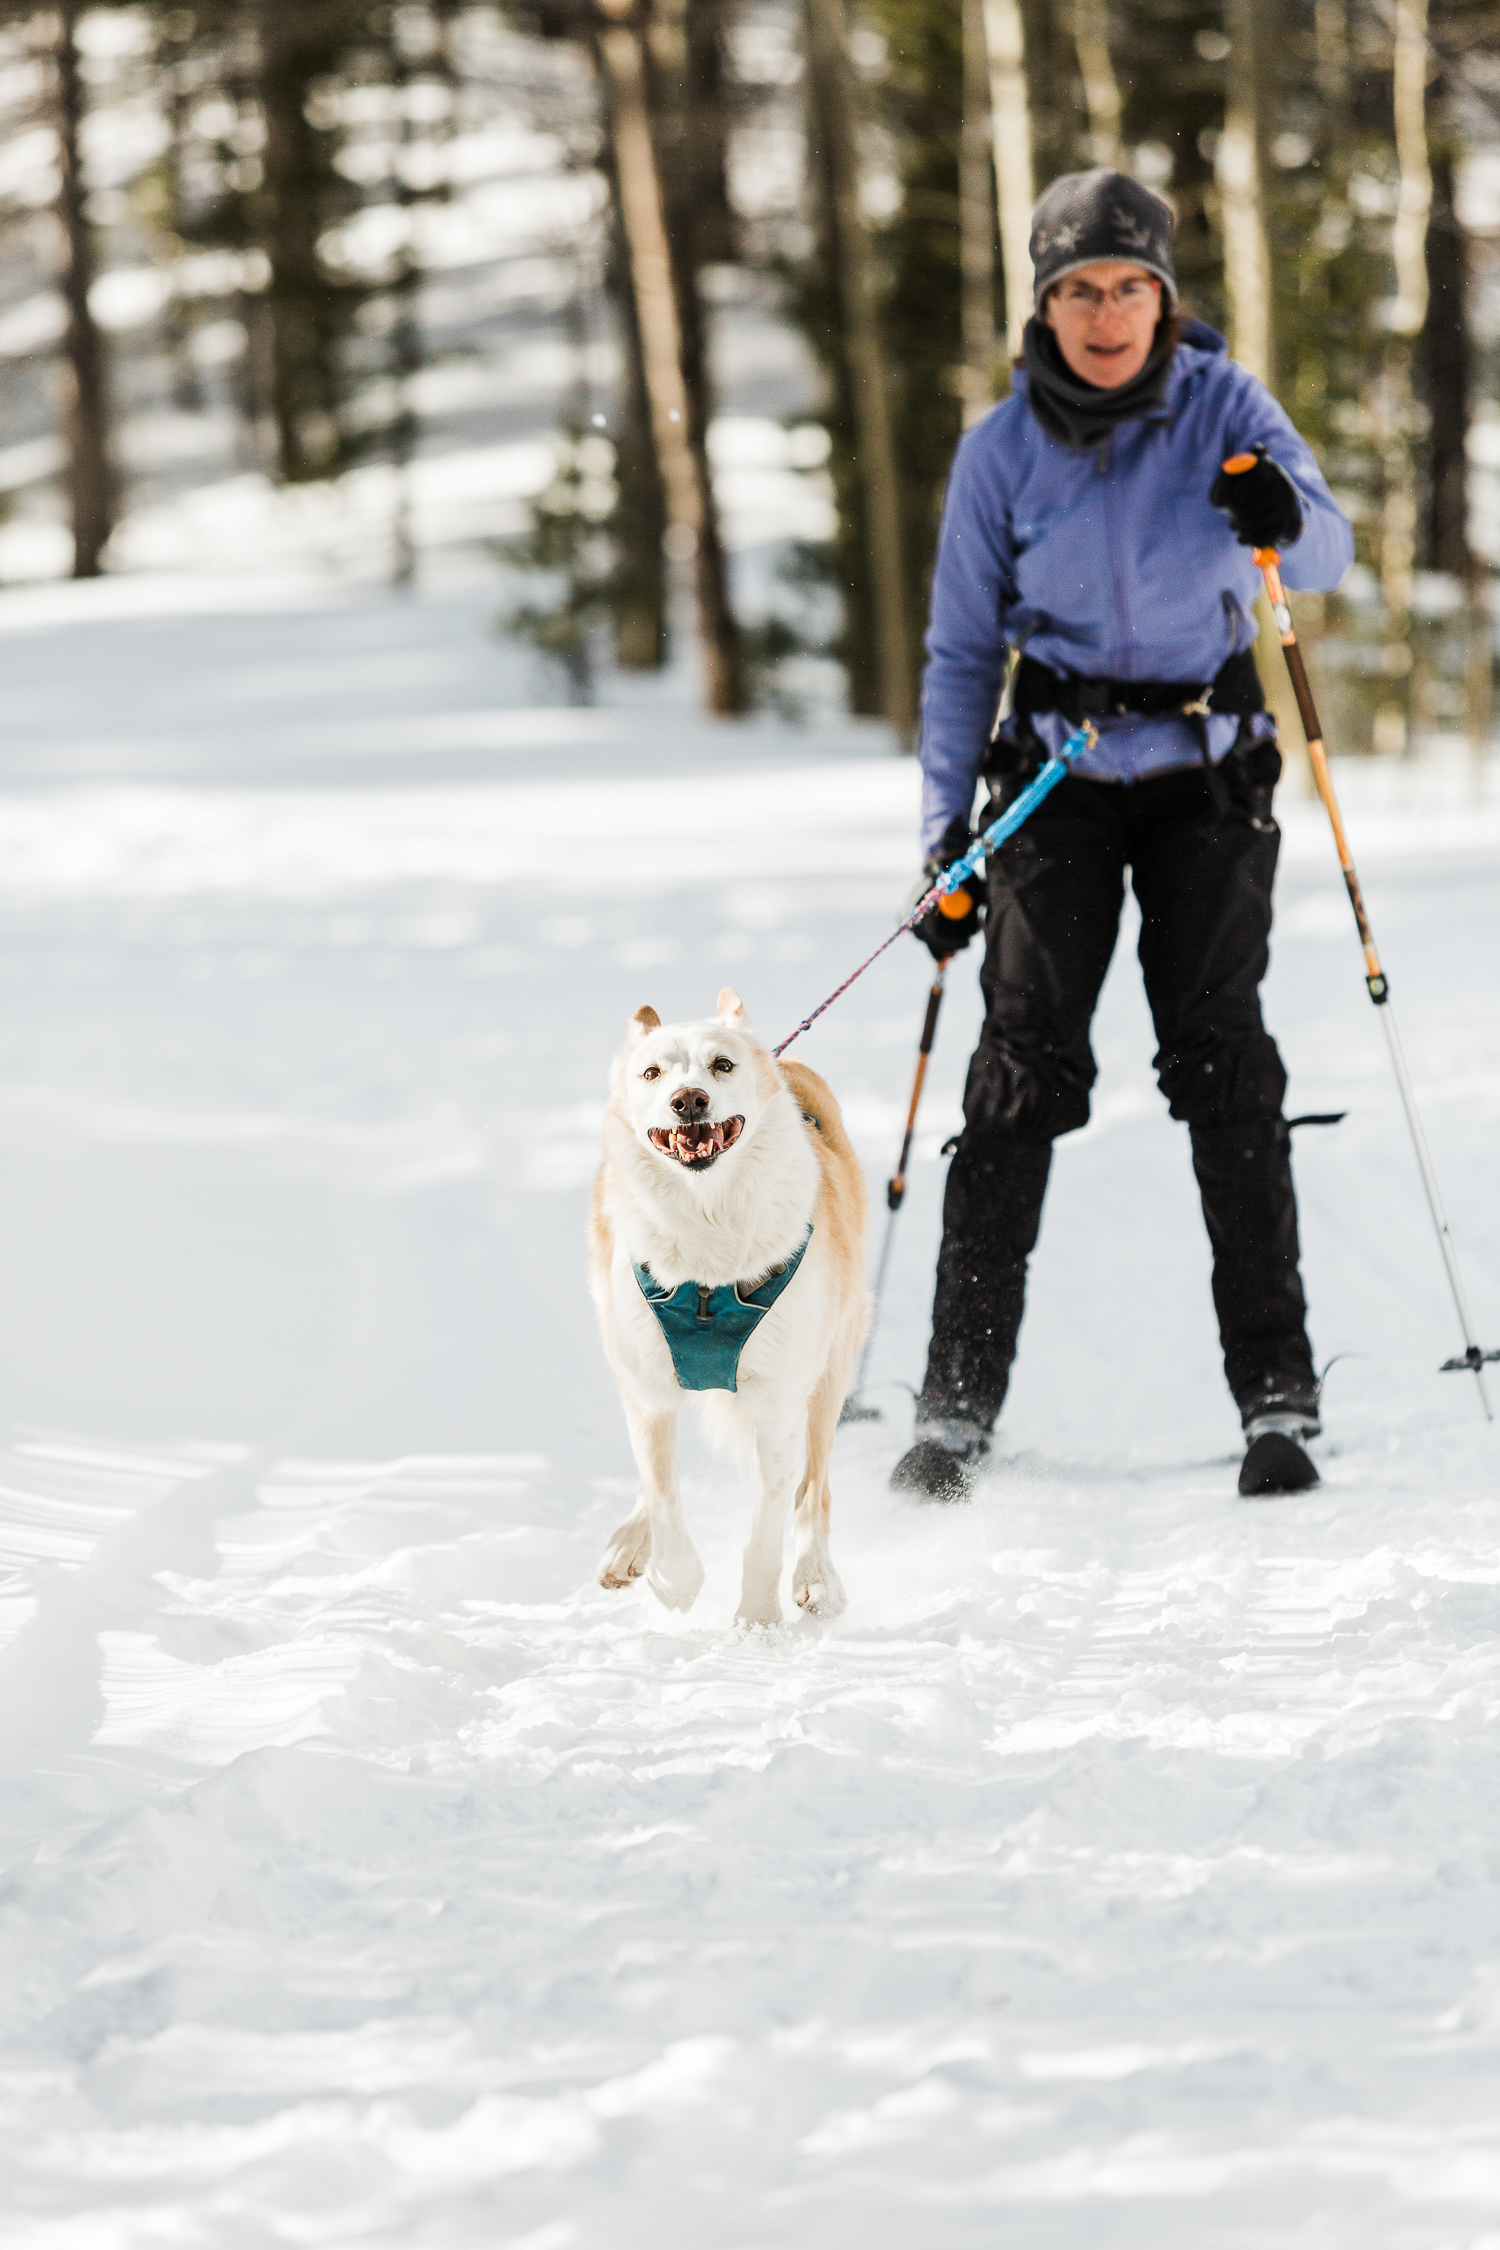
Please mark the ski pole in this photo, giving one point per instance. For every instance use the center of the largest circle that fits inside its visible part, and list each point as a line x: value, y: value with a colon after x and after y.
x: 895, y: 1195
x: 1472, y: 1359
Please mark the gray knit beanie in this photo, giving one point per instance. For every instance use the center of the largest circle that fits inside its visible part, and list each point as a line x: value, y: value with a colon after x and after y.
x: 1086, y: 217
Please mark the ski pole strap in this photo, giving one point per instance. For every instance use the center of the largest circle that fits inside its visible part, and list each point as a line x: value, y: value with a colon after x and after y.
x: 952, y: 877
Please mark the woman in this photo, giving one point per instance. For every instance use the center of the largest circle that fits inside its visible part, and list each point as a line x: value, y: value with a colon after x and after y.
x: 1089, y: 525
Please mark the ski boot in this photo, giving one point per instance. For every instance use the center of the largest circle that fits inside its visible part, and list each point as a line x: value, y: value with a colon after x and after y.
x: 942, y: 1462
x: 1278, y: 1424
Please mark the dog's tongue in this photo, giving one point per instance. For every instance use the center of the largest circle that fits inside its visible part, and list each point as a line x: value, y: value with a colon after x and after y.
x: 693, y: 1139
x: 691, y: 1144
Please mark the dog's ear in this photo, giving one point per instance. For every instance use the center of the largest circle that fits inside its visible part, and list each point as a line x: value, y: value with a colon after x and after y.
x: 731, y: 1006
x: 645, y: 1019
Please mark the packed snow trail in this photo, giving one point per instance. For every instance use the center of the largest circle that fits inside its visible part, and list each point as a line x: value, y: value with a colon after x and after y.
x: 1120, y: 1869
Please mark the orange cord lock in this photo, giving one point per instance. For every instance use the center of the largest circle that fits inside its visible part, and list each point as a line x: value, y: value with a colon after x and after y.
x: 955, y: 904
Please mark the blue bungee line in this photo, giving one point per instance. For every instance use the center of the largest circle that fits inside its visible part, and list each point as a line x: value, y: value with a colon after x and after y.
x: 973, y: 859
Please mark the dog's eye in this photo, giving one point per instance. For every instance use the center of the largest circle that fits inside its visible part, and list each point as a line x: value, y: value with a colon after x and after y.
x: 651, y: 1071
x: 722, y: 1063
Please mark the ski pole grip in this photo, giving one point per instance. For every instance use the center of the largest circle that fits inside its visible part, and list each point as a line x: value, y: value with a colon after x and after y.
x: 1238, y: 465
x: 929, y: 1021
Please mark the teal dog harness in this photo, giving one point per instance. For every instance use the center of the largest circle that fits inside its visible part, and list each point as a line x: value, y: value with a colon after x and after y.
x: 707, y: 1329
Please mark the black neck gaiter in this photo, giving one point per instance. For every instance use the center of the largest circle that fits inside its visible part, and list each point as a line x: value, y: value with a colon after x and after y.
x: 1080, y: 413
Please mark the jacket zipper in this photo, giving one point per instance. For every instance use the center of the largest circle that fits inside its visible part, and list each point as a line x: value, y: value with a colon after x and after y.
x: 1121, y: 670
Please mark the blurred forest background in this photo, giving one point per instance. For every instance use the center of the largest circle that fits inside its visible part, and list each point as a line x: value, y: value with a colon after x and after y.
x: 672, y: 311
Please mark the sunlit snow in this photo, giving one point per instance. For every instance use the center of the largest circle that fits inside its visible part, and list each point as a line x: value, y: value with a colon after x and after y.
x: 1120, y: 1869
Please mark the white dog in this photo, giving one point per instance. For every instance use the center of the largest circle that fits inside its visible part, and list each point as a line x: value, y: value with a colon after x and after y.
x: 728, y: 1257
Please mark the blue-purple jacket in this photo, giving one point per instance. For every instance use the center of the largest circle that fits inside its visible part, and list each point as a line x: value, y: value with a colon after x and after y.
x: 1109, y: 563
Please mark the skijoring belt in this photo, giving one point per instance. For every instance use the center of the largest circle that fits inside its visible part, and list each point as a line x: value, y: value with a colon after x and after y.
x: 707, y: 1329
x: 1234, y: 692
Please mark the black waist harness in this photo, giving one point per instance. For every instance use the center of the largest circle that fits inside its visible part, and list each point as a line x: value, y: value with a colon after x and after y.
x: 1234, y: 692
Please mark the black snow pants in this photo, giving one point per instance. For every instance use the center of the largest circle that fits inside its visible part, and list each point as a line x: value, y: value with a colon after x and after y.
x: 1201, y: 858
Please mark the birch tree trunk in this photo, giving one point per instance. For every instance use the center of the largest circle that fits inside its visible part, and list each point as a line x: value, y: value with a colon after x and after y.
x: 976, y: 223
x: 678, y: 425
x: 89, y: 473
x: 1101, y: 88
x: 828, y: 65
x: 1015, y: 185
x: 1405, y: 319
x: 1240, y: 169
x: 1414, y: 189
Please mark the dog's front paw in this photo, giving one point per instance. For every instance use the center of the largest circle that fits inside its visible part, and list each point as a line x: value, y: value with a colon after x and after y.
x: 628, y: 1552
x: 676, y: 1578
x: 759, y: 1605
x: 818, y: 1587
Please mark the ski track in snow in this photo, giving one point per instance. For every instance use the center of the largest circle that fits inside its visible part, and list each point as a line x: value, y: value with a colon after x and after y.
x: 1121, y: 1869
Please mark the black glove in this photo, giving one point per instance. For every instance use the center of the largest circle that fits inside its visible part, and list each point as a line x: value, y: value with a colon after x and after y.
x: 1262, y: 503
x: 945, y: 929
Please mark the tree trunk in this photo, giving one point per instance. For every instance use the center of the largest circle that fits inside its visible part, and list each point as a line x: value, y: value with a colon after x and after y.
x: 1015, y: 187
x: 177, y: 103
x: 310, y: 308
x: 684, y: 64
x: 1331, y: 44
x: 89, y: 473
x: 298, y: 389
x: 1101, y: 88
x: 828, y: 64
x: 690, y: 115
x: 1405, y: 320
x: 858, y: 641
x: 1414, y: 189
x: 678, y: 419
x: 406, y: 329
x: 976, y: 208
x: 639, y: 596
x: 1241, y: 169
x: 1446, y: 358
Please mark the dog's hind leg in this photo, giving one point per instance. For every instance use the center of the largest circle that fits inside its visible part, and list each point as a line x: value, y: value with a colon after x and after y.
x: 778, y: 1448
x: 653, y: 1539
x: 815, y: 1583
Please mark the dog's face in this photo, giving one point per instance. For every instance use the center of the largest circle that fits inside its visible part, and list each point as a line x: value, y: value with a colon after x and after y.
x: 694, y: 1090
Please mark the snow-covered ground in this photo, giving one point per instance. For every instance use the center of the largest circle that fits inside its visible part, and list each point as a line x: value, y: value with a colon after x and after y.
x: 1121, y: 1869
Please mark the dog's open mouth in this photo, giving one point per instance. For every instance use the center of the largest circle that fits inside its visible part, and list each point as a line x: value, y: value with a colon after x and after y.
x: 698, y: 1145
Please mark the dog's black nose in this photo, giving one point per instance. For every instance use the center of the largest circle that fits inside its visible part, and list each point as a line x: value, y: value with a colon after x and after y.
x: 689, y: 1102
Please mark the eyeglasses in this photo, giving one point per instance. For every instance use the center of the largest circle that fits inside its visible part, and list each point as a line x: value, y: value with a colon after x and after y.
x: 1126, y: 296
